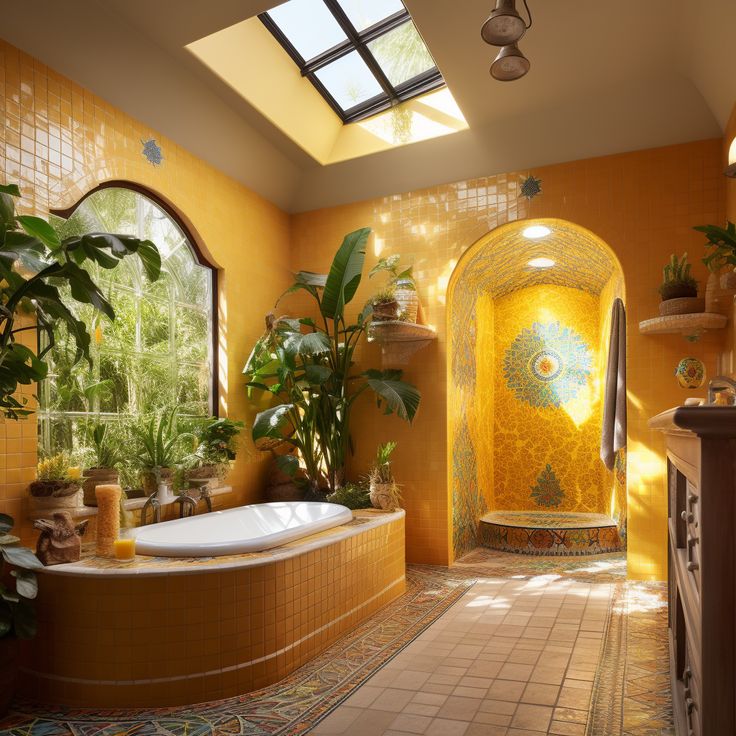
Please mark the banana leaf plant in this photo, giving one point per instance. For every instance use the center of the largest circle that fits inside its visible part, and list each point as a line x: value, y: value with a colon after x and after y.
x: 35, y: 266
x: 722, y: 242
x: 19, y: 588
x: 307, y: 364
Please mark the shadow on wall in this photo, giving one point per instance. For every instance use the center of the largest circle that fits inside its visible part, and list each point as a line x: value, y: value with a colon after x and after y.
x: 529, y: 325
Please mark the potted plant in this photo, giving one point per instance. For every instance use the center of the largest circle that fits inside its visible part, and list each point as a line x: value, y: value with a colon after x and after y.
x: 159, y: 449
x: 104, y: 471
x: 385, y: 306
x: 401, y: 282
x: 679, y: 290
x: 57, y: 484
x: 308, y: 367
x: 384, y: 493
x: 38, y: 270
x: 18, y: 588
x: 722, y: 245
x: 216, y: 449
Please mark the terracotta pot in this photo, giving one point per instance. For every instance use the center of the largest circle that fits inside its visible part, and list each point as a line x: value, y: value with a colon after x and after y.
x: 386, y: 311
x: 8, y: 671
x: 52, y: 488
x: 150, y: 479
x: 203, y: 472
x: 682, y: 305
x: 43, y: 504
x: 406, y: 295
x: 94, y: 477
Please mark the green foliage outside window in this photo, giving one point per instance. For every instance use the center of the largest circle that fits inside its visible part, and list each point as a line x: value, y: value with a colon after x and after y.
x: 157, y: 352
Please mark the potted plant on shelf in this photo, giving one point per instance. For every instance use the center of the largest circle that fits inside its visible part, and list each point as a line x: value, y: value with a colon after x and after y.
x: 401, y: 283
x: 18, y: 588
x: 679, y: 290
x: 105, y: 458
x: 385, y: 306
x: 307, y: 365
x: 216, y: 448
x: 384, y: 493
x: 159, y: 450
x: 37, y: 268
x: 57, y: 484
x: 722, y: 253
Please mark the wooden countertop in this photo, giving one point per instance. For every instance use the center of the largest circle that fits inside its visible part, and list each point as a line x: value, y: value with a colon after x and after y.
x: 704, y: 421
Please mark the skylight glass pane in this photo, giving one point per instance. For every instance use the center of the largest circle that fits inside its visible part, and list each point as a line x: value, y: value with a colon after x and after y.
x: 309, y: 25
x: 366, y: 13
x: 402, y: 53
x: 349, y: 80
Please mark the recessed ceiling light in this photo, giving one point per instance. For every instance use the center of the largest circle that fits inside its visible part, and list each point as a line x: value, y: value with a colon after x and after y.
x: 541, y: 263
x: 534, y: 232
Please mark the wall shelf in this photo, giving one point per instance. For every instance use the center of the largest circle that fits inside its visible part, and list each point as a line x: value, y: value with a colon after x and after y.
x: 689, y: 325
x: 400, y: 340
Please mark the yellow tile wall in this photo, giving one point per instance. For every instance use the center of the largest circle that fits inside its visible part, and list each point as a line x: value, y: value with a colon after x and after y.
x: 642, y: 204
x: 57, y: 142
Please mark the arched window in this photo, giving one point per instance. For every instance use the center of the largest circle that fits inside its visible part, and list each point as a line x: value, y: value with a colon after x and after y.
x: 159, y: 351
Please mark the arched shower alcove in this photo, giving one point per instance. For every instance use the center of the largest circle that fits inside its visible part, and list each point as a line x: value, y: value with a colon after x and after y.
x: 528, y: 349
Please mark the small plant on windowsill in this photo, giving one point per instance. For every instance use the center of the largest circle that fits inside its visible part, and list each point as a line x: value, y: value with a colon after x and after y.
x: 18, y: 588
x: 216, y: 449
x: 34, y: 265
x: 105, y: 458
x: 679, y: 290
x: 161, y: 446
x: 57, y: 484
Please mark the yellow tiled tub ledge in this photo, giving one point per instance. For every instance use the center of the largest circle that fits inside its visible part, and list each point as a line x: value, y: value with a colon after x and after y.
x: 166, y: 632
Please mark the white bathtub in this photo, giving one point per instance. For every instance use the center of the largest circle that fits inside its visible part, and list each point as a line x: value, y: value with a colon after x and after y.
x: 244, y: 529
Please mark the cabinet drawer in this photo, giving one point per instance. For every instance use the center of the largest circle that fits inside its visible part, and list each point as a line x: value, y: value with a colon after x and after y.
x: 692, y: 693
x: 690, y: 515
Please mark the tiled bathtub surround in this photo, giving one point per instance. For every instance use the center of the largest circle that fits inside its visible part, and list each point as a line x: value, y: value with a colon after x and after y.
x: 183, y: 631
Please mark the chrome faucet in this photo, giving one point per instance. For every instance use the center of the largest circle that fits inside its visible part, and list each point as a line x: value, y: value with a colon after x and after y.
x: 153, y: 504
x: 718, y: 383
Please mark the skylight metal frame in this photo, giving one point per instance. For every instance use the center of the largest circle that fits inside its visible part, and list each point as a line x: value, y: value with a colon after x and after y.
x: 358, y: 41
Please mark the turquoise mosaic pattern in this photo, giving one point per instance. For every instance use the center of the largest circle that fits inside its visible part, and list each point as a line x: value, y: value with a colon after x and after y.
x: 547, y: 365
x: 547, y: 492
x: 468, y: 502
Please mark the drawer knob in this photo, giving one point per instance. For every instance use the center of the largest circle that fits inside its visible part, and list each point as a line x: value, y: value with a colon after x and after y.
x: 692, y: 566
x: 687, y: 674
x: 692, y: 498
x: 690, y: 705
x: 687, y: 516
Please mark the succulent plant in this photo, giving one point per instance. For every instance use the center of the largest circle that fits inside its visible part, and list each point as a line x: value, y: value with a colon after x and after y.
x: 677, y: 279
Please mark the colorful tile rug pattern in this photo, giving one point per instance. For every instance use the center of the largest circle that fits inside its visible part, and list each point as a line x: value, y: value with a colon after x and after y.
x: 639, y: 692
x: 549, y: 533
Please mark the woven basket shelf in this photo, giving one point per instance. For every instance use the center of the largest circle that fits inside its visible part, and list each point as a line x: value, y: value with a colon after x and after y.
x: 690, y: 325
x: 400, y: 340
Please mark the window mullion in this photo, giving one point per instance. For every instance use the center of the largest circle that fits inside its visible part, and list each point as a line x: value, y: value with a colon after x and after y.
x: 357, y: 41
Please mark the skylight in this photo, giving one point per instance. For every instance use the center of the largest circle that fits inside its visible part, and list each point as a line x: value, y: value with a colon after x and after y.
x: 363, y: 56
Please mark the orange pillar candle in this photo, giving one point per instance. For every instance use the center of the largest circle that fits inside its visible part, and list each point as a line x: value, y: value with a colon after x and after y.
x: 125, y: 549
x: 108, y: 518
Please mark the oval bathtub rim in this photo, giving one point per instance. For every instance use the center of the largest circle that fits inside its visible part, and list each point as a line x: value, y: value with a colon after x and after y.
x: 370, y: 519
x: 339, y: 517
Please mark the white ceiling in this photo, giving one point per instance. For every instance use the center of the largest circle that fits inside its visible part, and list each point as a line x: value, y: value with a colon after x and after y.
x: 606, y: 77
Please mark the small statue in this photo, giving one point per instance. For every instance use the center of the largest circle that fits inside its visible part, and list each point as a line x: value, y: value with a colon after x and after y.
x: 60, y: 540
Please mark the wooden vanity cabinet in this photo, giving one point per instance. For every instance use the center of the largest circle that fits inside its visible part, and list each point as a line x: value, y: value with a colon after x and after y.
x: 701, y: 478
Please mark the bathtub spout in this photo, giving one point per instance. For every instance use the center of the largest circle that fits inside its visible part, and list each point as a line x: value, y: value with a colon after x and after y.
x: 187, y: 505
x: 206, y: 496
x: 154, y: 506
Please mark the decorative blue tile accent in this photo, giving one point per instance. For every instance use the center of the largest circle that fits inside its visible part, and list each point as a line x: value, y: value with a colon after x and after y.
x: 548, y: 492
x: 152, y: 151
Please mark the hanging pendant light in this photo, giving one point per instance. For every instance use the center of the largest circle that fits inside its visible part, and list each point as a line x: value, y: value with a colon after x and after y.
x: 504, y: 25
x: 510, y: 64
